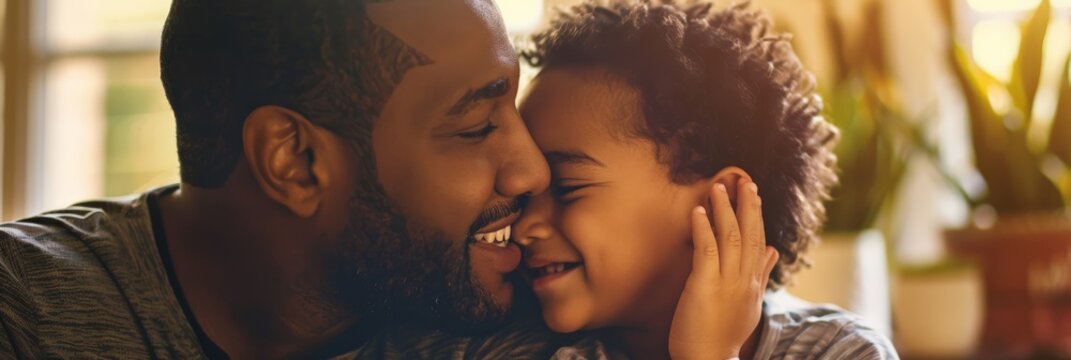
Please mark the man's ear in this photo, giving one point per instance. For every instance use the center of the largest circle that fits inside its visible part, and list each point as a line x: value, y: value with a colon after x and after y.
x: 729, y: 176
x: 281, y: 147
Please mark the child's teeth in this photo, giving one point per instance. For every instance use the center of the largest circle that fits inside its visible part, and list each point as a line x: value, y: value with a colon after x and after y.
x: 507, y: 232
x: 552, y: 269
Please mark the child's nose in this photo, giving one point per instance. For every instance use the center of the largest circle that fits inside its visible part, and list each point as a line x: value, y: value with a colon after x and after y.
x: 535, y: 223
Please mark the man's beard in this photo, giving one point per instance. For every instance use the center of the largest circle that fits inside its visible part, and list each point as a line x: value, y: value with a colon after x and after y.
x: 394, y: 271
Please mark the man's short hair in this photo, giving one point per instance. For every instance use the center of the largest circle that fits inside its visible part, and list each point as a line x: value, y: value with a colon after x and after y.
x: 324, y: 59
x: 716, y: 89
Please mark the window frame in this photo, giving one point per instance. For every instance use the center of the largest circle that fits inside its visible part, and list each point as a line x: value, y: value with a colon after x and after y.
x: 21, y: 33
x: 28, y: 56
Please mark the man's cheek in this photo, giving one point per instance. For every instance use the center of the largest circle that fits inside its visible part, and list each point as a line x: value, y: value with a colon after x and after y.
x: 445, y: 191
x: 469, y: 190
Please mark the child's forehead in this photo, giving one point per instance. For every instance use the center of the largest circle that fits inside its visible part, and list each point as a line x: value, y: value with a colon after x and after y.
x: 572, y: 113
x: 596, y: 96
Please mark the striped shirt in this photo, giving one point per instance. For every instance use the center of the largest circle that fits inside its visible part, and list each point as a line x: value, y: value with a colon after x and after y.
x: 798, y: 330
x: 794, y: 329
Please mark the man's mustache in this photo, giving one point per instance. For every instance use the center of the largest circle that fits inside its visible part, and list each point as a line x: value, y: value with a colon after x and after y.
x: 499, y: 211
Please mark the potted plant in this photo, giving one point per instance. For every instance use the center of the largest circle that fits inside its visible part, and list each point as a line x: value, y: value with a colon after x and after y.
x: 864, y: 103
x: 1022, y: 223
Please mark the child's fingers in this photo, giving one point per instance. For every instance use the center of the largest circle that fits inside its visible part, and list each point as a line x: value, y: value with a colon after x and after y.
x: 727, y: 231
x: 705, y: 261
x: 771, y: 260
x: 749, y: 211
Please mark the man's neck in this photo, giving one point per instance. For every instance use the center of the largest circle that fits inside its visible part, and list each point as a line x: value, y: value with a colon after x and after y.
x: 245, y: 298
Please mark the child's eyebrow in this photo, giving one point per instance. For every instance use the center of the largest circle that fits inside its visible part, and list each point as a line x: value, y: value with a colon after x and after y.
x: 571, y: 157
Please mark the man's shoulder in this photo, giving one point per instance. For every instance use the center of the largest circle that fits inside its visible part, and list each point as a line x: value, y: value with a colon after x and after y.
x: 81, y: 219
x: 71, y: 238
x: 83, y: 281
x: 824, y: 331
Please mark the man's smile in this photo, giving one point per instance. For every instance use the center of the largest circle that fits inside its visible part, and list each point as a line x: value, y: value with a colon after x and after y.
x: 498, y: 232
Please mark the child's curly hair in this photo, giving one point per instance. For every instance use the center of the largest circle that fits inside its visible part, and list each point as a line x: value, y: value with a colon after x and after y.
x: 716, y: 90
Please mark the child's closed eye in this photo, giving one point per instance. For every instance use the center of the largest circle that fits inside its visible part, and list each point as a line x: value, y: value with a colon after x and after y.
x: 567, y: 192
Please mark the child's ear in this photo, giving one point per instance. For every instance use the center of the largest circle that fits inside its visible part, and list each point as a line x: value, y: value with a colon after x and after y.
x: 729, y: 176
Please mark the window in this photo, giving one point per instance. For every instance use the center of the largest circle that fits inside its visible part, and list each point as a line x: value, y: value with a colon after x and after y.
x: 96, y: 122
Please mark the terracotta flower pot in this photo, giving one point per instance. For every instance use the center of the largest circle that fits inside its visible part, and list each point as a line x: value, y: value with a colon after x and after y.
x: 1014, y: 255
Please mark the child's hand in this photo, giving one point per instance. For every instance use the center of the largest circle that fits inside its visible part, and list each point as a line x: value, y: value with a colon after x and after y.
x: 722, y: 301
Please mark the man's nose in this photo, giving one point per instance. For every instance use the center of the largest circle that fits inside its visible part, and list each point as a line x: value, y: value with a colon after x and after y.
x: 524, y: 170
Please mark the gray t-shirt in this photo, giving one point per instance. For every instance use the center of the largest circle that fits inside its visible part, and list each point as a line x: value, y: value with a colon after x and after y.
x: 88, y: 282
x: 92, y: 281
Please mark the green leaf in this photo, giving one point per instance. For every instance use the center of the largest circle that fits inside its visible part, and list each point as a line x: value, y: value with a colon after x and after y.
x: 838, y: 44
x: 1013, y: 175
x: 1065, y: 185
x: 1026, y: 72
x: 874, y: 60
x: 1060, y: 135
x: 873, y: 41
x: 870, y: 157
x: 988, y: 135
x: 1031, y: 189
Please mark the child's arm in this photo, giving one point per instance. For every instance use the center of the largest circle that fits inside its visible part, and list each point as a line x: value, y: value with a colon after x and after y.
x: 722, y: 300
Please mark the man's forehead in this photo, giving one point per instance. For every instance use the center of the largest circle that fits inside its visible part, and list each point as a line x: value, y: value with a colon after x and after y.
x: 465, y: 38
x: 439, y: 27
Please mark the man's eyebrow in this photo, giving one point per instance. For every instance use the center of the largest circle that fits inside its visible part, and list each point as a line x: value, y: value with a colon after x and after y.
x: 571, y: 157
x: 491, y: 90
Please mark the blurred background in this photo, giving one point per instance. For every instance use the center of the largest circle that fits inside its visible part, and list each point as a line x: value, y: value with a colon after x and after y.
x: 951, y: 231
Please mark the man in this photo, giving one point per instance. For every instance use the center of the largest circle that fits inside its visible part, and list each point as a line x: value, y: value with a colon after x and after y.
x: 345, y: 166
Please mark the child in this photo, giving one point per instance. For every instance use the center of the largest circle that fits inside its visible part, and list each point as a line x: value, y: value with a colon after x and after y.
x: 658, y: 119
